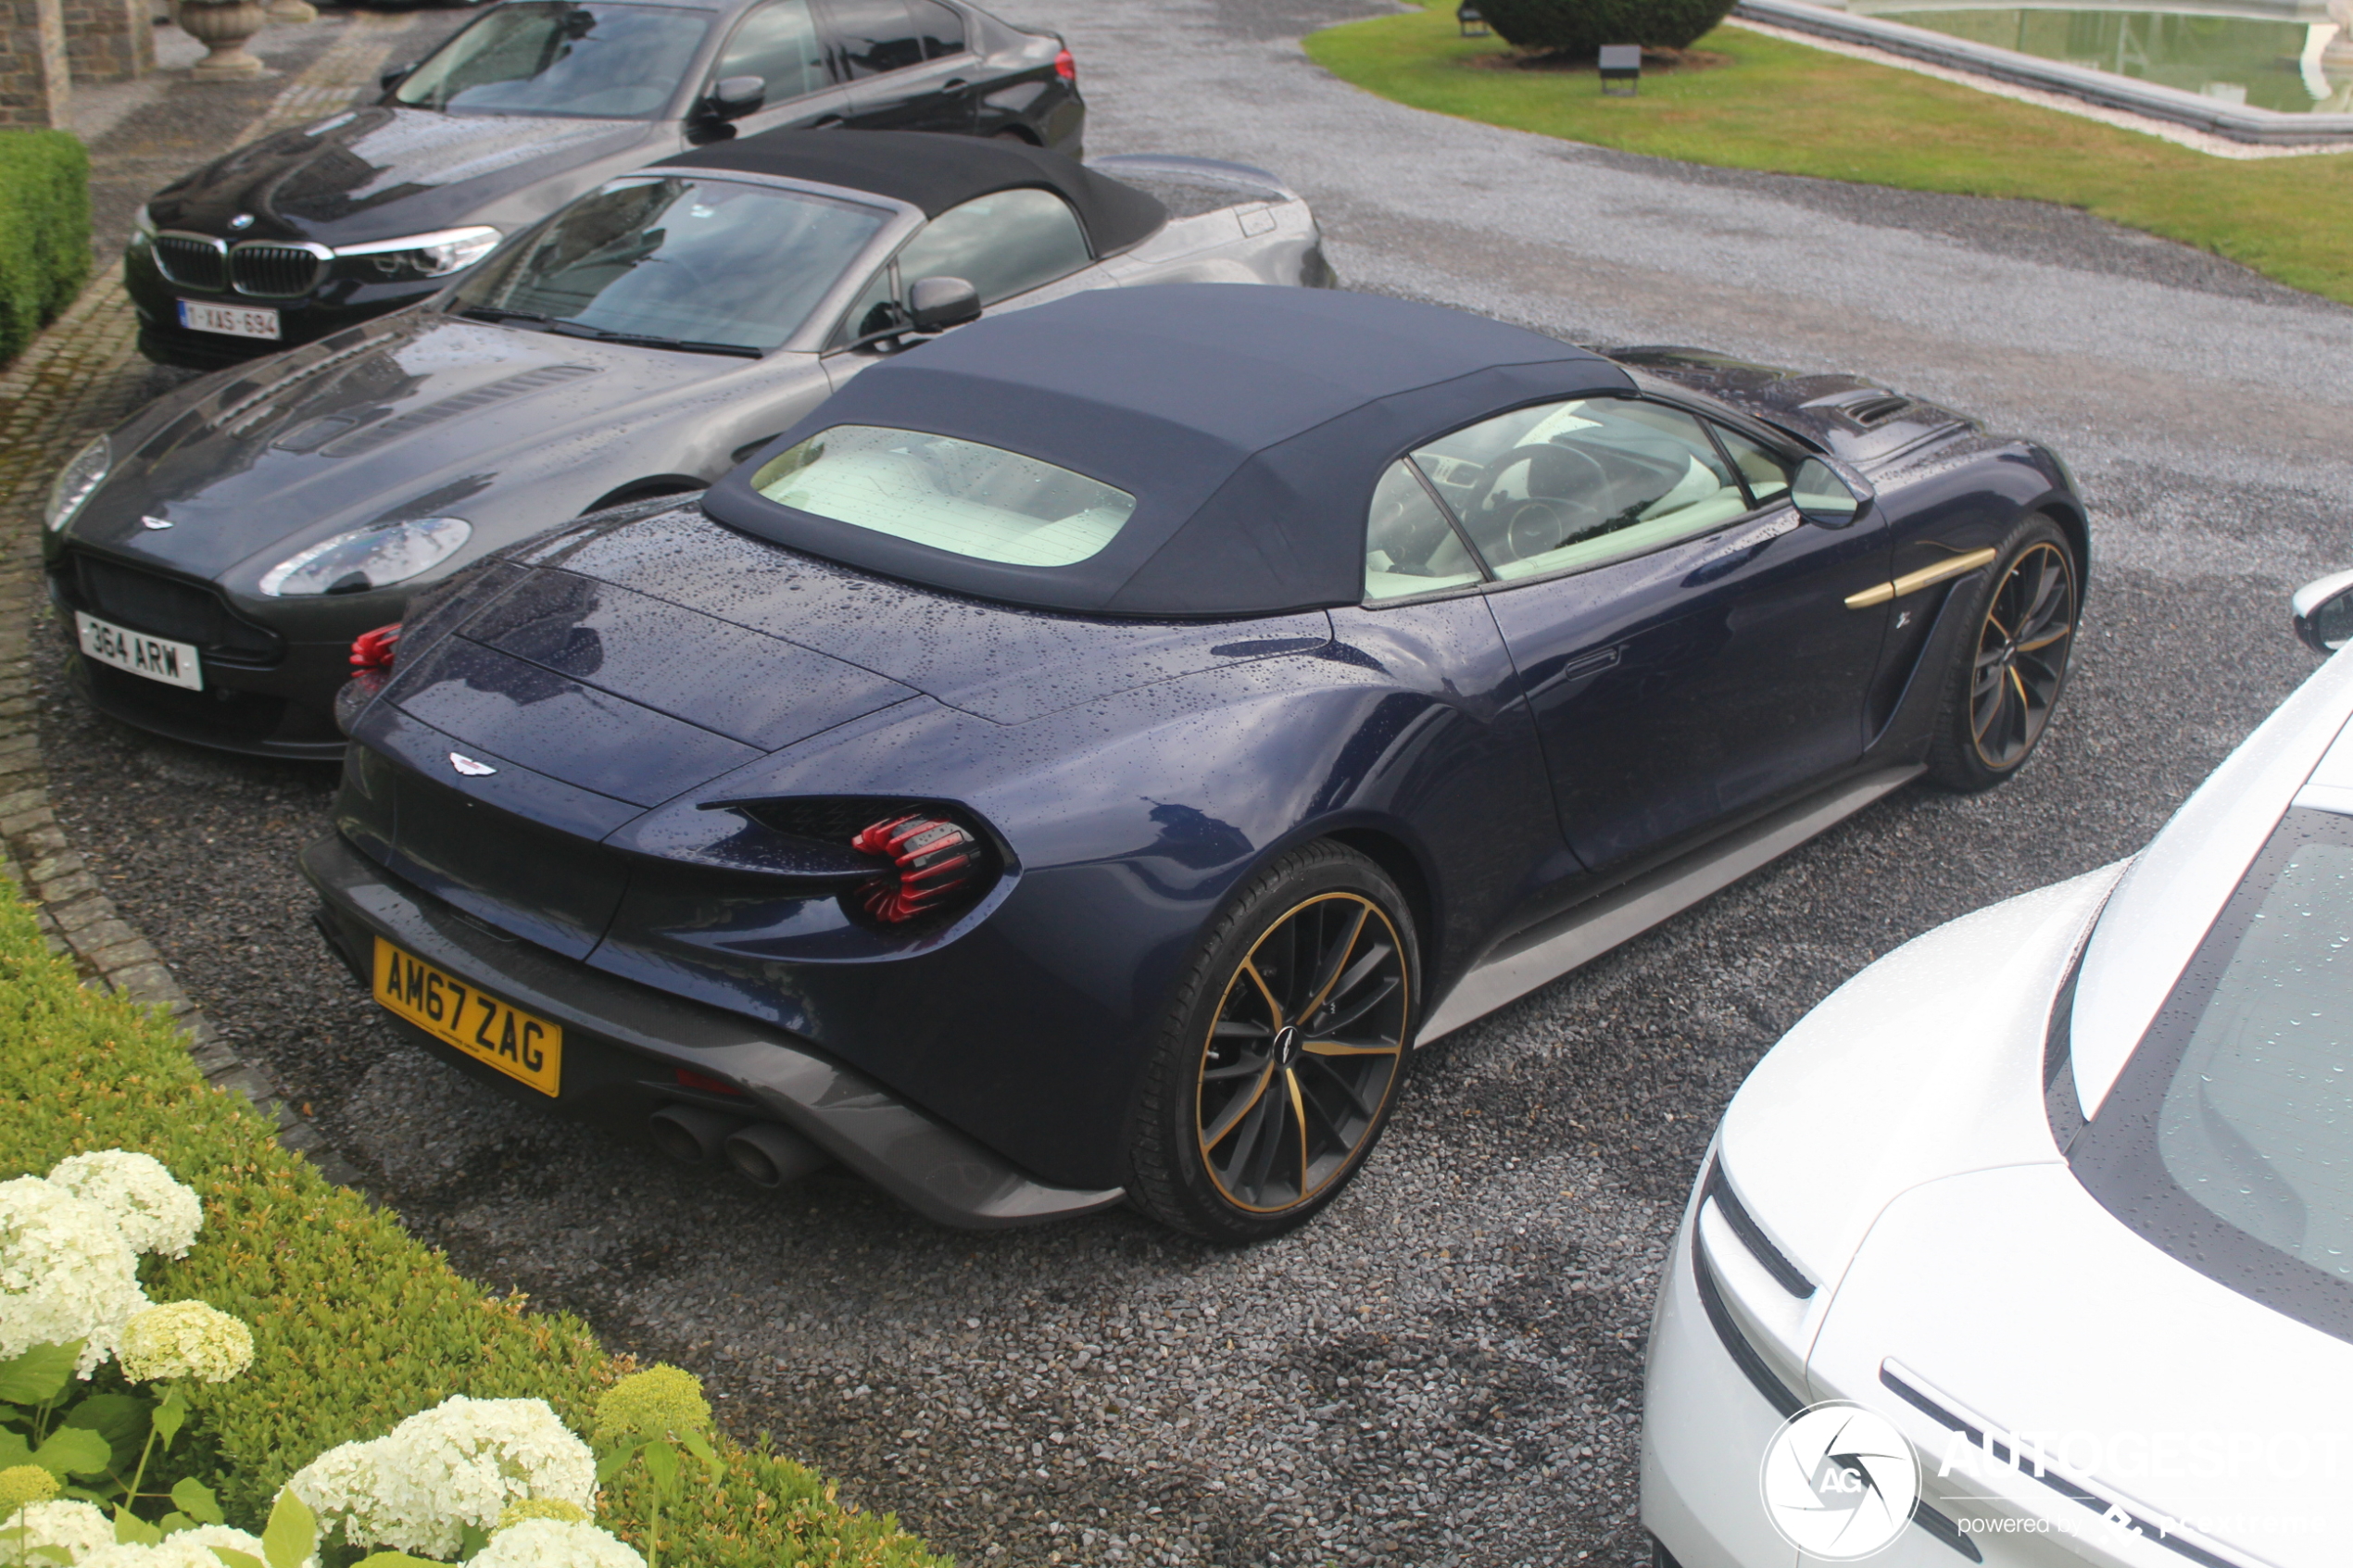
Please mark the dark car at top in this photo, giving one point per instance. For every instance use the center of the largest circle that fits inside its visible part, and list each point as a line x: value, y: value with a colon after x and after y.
x: 1085, y: 755
x: 530, y: 105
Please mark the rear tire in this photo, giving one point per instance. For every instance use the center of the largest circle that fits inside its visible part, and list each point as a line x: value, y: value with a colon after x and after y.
x: 1282, y: 1053
x: 2006, y: 681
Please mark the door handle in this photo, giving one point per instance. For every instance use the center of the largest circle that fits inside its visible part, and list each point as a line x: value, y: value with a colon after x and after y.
x: 952, y: 83
x: 826, y: 122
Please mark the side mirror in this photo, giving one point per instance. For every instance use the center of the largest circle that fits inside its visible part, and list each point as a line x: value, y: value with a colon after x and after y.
x: 1822, y: 497
x: 2323, y: 612
x: 736, y: 96
x: 393, y: 76
x: 935, y: 303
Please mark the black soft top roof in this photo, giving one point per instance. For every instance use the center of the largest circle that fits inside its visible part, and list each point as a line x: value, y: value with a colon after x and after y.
x: 1250, y: 423
x: 935, y: 172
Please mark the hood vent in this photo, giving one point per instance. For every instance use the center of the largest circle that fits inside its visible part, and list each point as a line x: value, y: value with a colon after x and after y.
x: 386, y: 432
x: 1872, y: 410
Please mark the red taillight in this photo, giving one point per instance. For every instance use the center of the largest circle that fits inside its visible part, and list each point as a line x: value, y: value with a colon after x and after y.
x: 932, y: 860
x: 1066, y: 67
x: 375, y: 650
x: 689, y: 1079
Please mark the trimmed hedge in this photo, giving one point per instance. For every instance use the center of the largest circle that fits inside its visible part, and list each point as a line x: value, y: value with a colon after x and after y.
x: 355, y: 1323
x: 44, y: 230
x: 1579, y: 28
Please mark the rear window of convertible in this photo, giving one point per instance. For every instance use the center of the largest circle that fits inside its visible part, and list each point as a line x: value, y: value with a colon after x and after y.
x: 961, y: 496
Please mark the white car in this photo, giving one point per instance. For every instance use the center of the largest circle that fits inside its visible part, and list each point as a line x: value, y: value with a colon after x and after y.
x: 2050, y: 1214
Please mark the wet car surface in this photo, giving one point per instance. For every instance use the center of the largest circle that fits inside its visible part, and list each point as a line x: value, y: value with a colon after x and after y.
x: 1445, y: 1367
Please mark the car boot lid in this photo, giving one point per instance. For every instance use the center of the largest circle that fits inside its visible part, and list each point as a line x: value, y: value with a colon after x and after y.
x: 918, y: 637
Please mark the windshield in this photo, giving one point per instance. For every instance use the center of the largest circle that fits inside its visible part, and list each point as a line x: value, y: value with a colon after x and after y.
x: 694, y: 261
x: 2228, y: 1139
x: 542, y: 57
x: 958, y: 496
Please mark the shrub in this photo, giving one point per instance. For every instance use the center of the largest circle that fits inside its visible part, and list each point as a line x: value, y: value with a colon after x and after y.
x: 355, y: 1325
x: 44, y: 230
x: 1579, y: 28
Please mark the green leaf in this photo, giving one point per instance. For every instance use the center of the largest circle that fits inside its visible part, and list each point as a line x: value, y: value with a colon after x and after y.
x: 293, y: 1530
x: 13, y: 1452
x: 171, y: 1413
x: 392, y: 1560
x: 701, y: 1450
x: 132, y: 1530
x: 236, y: 1559
x: 662, y: 1459
x: 172, y: 1523
x: 39, y: 1375
x: 74, y: 1450
x: 613, y: 1462
x: 120, y: 1419
x: 195, y: 1498
x: 51, y: 1554
x: 472, y: 1539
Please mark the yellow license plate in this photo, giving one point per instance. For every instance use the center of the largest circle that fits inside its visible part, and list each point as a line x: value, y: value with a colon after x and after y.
x: 524, y: 1047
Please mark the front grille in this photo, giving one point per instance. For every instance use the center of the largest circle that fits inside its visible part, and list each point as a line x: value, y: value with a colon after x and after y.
x: 274, y: 271
x: 214, y: 714
x: 192, y: 263
x: 167, y: 606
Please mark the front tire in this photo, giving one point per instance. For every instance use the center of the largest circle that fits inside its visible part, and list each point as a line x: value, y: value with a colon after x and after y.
x: 1282, y: 1053
x: 2003, y: 688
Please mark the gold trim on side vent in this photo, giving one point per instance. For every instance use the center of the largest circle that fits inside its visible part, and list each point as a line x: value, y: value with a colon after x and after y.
x: 1913, y: 582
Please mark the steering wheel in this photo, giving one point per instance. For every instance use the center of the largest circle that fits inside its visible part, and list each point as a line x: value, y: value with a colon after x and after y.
x: 1538, y: 523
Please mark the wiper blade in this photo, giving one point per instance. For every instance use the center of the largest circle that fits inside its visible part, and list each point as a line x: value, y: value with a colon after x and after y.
x: 500, y: 313
x: 648, y: 340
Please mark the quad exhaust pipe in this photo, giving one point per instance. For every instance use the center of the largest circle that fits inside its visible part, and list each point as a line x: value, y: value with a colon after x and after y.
x: 762, y: 1152
x: 770, y: 1156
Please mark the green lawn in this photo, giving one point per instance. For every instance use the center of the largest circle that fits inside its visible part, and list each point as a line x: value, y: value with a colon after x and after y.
x: 1794, y: 110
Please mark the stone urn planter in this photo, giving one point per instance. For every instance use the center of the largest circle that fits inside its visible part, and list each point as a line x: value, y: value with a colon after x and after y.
x: 223, y: 26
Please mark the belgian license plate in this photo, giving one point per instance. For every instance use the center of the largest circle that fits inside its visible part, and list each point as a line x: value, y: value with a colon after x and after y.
x: 159, y: 658
x: 237, y: 321
x: 498, y: 1033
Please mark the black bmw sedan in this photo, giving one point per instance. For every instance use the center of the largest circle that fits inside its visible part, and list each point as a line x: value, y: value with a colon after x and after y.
x: 534, y: 103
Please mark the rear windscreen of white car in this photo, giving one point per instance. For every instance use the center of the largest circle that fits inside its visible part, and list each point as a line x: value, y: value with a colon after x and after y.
x: 2228, y: 1139
x: 961, y: 496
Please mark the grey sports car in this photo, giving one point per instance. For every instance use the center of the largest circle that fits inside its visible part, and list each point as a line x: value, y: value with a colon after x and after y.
x: 214, y: 558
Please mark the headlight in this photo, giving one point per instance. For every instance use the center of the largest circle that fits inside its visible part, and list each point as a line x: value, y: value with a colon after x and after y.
x: 369, y: 557
x: 83, y: 475
x: 418, y: 257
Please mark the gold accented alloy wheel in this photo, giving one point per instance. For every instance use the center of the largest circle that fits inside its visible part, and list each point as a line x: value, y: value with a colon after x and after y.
x: 2021, y: 655
x: 1303, y: 1053
x: 2004, y: 680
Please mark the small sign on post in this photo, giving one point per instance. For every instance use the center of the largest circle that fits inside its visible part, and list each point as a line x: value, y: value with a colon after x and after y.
x: 1621, y: 70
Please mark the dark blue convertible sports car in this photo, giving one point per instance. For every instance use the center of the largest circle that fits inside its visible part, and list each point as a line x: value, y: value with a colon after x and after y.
x: 1083, y: 757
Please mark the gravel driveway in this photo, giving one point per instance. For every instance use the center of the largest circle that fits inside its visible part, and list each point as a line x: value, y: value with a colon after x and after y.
x: 1446, y: 1368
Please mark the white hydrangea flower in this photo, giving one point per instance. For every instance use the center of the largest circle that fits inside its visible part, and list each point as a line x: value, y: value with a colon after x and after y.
x: 184, y: 1339
x: 73, y: 1528
x: 155, y: 1212
x: 66, y: 1273
x: 189, y: 1549
x: 462, y: 1462
x: 556, y: 1543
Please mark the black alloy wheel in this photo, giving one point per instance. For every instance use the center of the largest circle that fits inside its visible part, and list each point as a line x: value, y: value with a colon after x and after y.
x: 2015, y: 664
x: 1283, y: 1055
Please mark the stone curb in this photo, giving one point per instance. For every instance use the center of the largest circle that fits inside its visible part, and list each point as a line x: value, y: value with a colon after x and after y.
x: 65, y: 388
